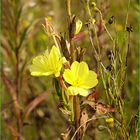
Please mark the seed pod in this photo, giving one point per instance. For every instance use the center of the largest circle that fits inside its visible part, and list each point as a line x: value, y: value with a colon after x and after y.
x: 111, y: 19
x: 64, y: 48
x: 79, y: 54
x: 108, y: 53
x: 109, y: 67
x: 129, y: 28
x: 72, y: 27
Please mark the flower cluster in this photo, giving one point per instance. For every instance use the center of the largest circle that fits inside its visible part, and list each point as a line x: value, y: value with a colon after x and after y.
x: 79, y: 78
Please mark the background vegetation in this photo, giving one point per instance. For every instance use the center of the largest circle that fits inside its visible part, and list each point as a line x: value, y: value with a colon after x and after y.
x: 23, y: 37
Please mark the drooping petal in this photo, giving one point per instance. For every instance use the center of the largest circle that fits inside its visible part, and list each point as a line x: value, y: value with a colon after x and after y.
x: 77, y: 90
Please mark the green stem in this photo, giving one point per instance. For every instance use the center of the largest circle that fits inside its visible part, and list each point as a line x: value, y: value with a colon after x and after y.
x: 127, y: 15
x: 55, y: 41
x: 105, y: 25
x: 68, y: 2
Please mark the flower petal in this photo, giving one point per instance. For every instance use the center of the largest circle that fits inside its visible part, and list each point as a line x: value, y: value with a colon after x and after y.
x: 39, y: 66
x: 68, y: 77
x: 78, y: 26
x: 82, y: 72
x: 77, y: 90
x: 53, y: 58
x: 44, y: 65
x: 90, y: 81
x: 74, y: 70
x: 79, y: 72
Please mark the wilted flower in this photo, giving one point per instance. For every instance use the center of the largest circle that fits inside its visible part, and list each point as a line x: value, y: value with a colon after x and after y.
x: 80, y: 36
x: 47, y: 64
x: 80, y: 78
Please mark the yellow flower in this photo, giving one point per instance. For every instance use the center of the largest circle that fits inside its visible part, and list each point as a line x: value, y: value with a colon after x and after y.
x: 109, y: 120
x: 93, y: 21
x: 80, y: 78
x: 78, y: 26
x: 44, y: 65
x: 119, y: 27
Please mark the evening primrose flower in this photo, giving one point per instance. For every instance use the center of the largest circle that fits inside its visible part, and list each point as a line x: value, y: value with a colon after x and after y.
x: 80, y: 78
x: 47, y: 64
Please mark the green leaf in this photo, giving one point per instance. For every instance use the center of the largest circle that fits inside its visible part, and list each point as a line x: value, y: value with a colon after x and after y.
x: 23, y: 35
x: 57, y: 88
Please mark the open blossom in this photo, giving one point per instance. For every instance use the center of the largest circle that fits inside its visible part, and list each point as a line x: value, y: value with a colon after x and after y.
x: 80, y: 78
x: 44, y: 65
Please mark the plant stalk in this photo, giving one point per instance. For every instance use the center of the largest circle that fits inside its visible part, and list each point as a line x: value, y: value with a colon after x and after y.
x: 77, y: 115
x: 76, y: 102
x: 19, y: 119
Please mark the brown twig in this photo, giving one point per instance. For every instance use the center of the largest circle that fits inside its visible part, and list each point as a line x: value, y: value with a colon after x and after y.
x: 77, y: 115
x: 34, y: 103
x: 10, y: 126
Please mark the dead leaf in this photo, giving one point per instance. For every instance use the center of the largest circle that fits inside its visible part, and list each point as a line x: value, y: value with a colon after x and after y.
x: 102, y: 109
x: 90, y: 103
x: 94, y: 96
x: 91, y: 99
x: 83, y: 120
x: 66, y: 135
x: 65, y: 111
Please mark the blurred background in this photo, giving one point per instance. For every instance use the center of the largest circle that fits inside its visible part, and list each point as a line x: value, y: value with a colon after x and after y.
x: 23, y: 37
